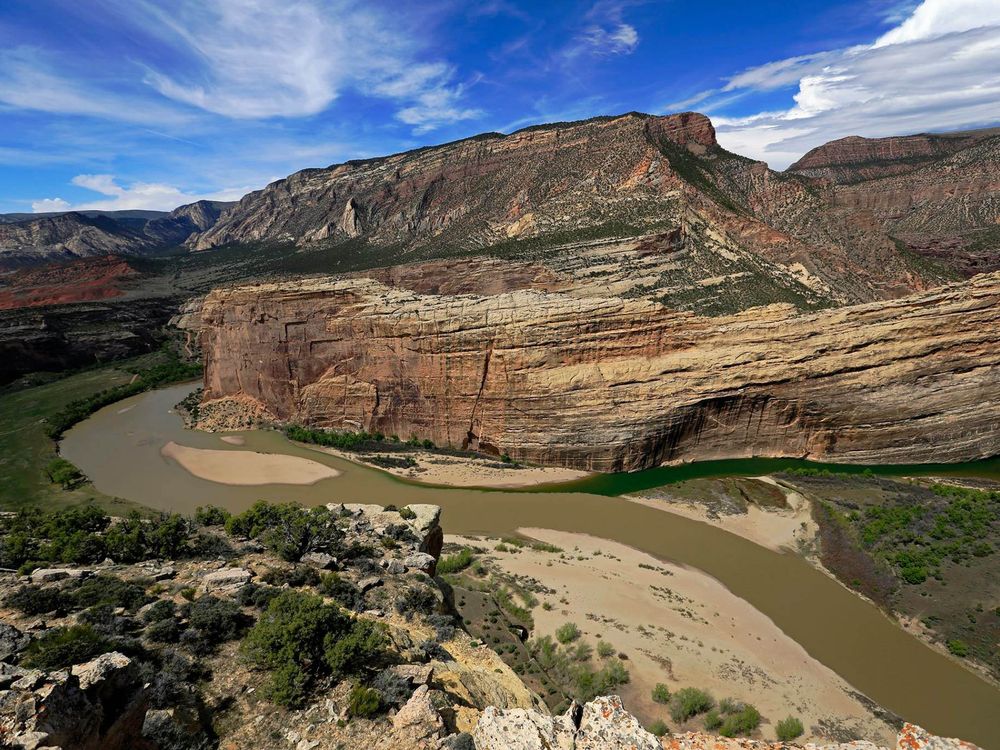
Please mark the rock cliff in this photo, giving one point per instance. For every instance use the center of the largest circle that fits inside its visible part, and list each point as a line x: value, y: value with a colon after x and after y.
x: 611, y: 384
x: 747, y: 232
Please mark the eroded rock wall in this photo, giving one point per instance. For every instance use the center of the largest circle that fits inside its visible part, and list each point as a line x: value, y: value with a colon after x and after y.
x: 611, y: 384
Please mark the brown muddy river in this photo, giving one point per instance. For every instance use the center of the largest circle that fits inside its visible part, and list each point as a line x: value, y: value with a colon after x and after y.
x: 119, y: 449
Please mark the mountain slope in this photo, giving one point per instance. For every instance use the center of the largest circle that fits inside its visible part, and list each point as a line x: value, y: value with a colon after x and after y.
x: 937, y: 195
x: 741, y: 234
x: 56, y: 237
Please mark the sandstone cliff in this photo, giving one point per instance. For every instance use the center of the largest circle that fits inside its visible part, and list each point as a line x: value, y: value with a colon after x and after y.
x: 611, y: 384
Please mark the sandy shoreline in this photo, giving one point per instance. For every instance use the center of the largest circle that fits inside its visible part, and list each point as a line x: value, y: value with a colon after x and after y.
x: 461, y: 471
x: 779, y: 529
x: 247, y: 467
x: 681, y: 627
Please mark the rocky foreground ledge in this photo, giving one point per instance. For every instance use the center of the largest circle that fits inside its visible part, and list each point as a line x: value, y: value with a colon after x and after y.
x: 174, y: 675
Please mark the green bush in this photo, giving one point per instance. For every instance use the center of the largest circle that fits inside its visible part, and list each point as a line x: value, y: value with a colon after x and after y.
x: 713, y: 720
x: 567, y: 633
x: 688, y: 702
x: 605, y: 649
x: 108, y: 589
x: 661, y: 693
x: 211, y: 515
x: 789, y: 729
x: 161, y: 610
x: 167, y: 630
x: 62, y: 472
x: 36, y: 600
x: 287, y: 529
x: 218, y: 620
x: 345, y: 593
x: 364, y: 702
x: 741, y: 722
x: 958, y: 647
x: 299, y: 638
x: 455, y: 563
x: 406, y: 513
x: 64, y: 647
x: 658, y: 728
x: 297, y: 577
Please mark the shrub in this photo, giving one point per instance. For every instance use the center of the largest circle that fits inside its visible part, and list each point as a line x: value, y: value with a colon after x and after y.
x: 36, y: 600
x: 287, y: 529
x: 658, y: 728
x: 958, y: 647
x: 688, y: 702
x: 741, y: 722
x: 361, y: 647
x: 789, y: 728
x: 161, y: 610
x: 605, y: 650
x: 60, y: 471
x: 364, y: 702
x: 211, y: 515
x: 300, y: 575
x: 712, y: 720
x: 661, y: 694
x: 167, y: 630
x: 583, y: 651
x: 299, y: 638
x: 406, y: 513
x: 567, y: 633
x: 345, y: 593
x: 218, y: 620
x: 455, y: 563
x: 417, y: 599
x: 107, y: 589
x: 64, y: 647
x: 255, y: 595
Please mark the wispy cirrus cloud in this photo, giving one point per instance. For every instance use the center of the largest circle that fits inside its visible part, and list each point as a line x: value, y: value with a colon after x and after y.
x: 939, y: 69
x: 604, y: 32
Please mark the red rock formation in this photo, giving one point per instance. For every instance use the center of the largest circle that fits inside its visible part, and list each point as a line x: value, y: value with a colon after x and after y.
x: 611, y: 384
x: 83, y: 280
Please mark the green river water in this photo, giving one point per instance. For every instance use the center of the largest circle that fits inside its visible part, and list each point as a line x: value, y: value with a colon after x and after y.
x: 119, y: 449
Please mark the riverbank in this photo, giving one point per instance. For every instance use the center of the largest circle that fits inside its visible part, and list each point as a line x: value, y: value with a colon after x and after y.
x: 679, y: 627
x: 442, y: 469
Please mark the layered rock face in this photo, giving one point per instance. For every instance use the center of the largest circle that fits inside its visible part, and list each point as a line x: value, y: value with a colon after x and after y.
x: 750, y: 234
x: 939, y: 195
x: 611, y: 384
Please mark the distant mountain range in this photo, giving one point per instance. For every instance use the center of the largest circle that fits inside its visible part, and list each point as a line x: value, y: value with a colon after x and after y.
x: 27, y: 239
x: 853, y: 220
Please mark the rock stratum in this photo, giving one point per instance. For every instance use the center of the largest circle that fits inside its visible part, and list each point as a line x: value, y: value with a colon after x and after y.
x: 575, y: 379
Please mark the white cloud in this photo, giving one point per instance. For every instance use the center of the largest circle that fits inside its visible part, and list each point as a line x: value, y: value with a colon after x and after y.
x: 49, y: 204
x: 937, y: 70
x: 29, y: 80
x: 621, y: 39
x: 149, y: 196
x: 254, y: 59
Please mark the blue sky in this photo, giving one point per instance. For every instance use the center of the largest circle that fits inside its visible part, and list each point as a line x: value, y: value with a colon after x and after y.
x: 149, y: 104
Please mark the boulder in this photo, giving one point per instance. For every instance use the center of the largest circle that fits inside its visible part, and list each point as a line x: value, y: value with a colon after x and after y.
x: 48, y: 575
x: 320, y: 560
x: 521, y: 729
x: 912, y: 737
x: 366, y: 584
x: 418, y: 720
x: 606, y: 725
x: 421, y: 561
x: 12, y: 641
x: 227, y: 579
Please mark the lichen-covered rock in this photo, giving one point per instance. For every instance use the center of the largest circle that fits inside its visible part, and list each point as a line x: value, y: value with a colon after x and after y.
x: 227, y: 579
x: 418, y: 724
x: 912, y: 737
x: 520, y: 729
x: 606, y: 725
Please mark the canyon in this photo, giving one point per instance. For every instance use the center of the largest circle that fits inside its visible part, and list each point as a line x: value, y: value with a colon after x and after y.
x: 603, y: 383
